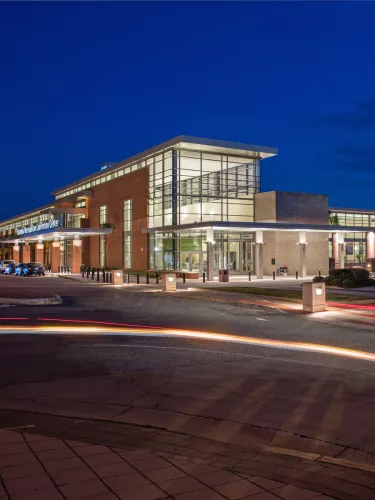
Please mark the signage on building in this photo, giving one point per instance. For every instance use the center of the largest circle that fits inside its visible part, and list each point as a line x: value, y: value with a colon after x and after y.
x: 49, y: 224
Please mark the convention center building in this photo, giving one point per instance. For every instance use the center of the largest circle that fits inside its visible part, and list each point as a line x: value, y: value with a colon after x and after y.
x: 193, y: 205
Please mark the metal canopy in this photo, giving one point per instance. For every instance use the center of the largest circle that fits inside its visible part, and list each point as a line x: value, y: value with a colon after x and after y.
x: 59, y: 233
x: 260, y: 226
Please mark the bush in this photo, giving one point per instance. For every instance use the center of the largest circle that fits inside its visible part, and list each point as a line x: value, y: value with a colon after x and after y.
x: 348, y: 283
x: 328, y: 280
x: 319, y: 279
x: 360, y: 275
x: 336, y: 282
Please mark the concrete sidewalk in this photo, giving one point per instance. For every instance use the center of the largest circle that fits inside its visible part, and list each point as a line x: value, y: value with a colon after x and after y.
x: 35, y: 467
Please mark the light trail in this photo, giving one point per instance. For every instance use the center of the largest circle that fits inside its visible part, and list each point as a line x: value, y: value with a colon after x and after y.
x: 189, y: 334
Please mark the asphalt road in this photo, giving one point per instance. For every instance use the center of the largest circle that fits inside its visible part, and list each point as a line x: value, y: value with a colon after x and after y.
x: 237, y: 394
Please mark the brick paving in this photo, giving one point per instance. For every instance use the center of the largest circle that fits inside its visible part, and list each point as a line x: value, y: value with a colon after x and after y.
x: 34, y: 467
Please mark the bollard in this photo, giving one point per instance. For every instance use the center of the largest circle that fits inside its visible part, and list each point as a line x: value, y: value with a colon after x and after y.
x: 157, y: 278
x: 103, y: 275
x: 320, y: 274
x: 296, y: 275
x: 92, y: 273
x: 183, y: 278
x: 137, y: 278
x: 128, y: 278
x: 97, y: 275
x: 110, y: 277
x: 106, y: 277
x: 204, y: 277
x: 88, y: 272
x: 147, y: 279
x: 250, y: 276
x: 274, y: 276
x: 83, y: 272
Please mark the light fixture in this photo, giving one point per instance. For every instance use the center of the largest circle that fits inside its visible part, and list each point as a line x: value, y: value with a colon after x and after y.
x: 118, y: 274
x: 318, y: 291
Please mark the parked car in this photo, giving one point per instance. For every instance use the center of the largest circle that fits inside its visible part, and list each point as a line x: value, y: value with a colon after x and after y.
x: 11, y: 268
x: 18, y: 269
x: 4, y: 263
x: 33, y: 269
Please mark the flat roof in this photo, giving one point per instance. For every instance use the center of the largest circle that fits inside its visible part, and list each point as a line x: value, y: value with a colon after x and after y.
x: 351, y: 210
x: 261, y: 226
x: 25, y: 214
x: 183, y: 142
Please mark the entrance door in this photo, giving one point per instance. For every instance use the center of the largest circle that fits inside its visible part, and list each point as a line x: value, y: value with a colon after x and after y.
x: 247, y: 256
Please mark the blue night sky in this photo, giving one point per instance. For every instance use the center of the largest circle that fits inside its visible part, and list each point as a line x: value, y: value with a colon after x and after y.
x: 85, y: 83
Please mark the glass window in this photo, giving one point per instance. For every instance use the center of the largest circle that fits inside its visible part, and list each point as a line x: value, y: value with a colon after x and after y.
x: 128, y: 217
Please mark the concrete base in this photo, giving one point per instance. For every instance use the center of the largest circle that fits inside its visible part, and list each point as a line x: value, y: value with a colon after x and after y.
x: 314, y: 297
x: 169, y: 281
x: 118, y: 277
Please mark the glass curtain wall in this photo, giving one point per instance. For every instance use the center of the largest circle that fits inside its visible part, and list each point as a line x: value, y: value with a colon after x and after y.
x: 355, y: 243
x: 188, y: 187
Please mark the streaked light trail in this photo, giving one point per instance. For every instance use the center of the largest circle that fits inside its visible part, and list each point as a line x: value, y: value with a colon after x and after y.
x: 187, y: 334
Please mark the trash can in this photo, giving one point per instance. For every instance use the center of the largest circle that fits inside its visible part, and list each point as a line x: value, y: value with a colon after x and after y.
x: 223, y: 275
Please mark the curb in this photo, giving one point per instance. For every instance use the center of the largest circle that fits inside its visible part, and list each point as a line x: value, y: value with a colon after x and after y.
x: 44, y: 301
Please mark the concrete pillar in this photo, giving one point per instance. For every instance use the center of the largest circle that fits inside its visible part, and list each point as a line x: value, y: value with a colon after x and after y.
x: 39, y: 252
x: 76, y: 256
x: 210, y: 254
x: 302, y: 254
x: 370, y: 251
x: 25, y: 253
x: 210, y: 261
x: 339, y: 250
x: 259, y: 254
x: 16, y: 253
x: 55, y: 257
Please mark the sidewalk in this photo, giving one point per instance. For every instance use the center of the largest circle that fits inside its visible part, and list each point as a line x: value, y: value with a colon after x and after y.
x: 35, y: 467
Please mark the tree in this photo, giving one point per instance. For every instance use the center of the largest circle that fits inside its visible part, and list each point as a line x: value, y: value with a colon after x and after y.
x: 333, y: 219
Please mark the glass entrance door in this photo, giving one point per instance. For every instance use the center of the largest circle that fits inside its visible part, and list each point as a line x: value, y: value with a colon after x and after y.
x: 247, y: 261
x: 192, y: 261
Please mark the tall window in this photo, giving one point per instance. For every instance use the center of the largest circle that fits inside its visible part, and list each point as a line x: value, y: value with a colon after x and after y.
x: 127, y: 234
x: 102, y: 239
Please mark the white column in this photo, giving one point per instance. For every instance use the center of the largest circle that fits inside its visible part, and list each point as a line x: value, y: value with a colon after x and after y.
x: 210, y: 254
x: 302, y: 254
x: 259, y: 254
x: 340, y: 250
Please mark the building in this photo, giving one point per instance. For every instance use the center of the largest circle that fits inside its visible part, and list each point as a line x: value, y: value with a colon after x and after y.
x: 190, y: 204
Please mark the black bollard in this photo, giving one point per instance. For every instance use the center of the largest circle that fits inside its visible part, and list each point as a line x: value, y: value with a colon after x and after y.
x: 128, y: 278
x: 157, y: 278
x: 103, y: 275
x: 137, y: 278
x: 147, y: 279
x: 274, y: 275
x: 97, y: 275
x: 320, y: 274
x: 183, y: 278
x: 92, y: 273
x: 204, y: 277
x: 250, y: 276
x: 296, y: 275
x: 110, y: 277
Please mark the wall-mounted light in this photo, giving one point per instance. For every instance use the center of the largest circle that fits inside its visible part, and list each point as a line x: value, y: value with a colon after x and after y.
x: 118, y: 274
x: 318, y: 290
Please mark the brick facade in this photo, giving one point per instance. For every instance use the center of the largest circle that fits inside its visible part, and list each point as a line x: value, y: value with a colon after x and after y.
x: 113, y: 194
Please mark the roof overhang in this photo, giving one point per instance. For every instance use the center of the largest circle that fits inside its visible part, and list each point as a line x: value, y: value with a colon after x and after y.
x: 58, y: 233
x: 246, y: 227
x: 180, y: 142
